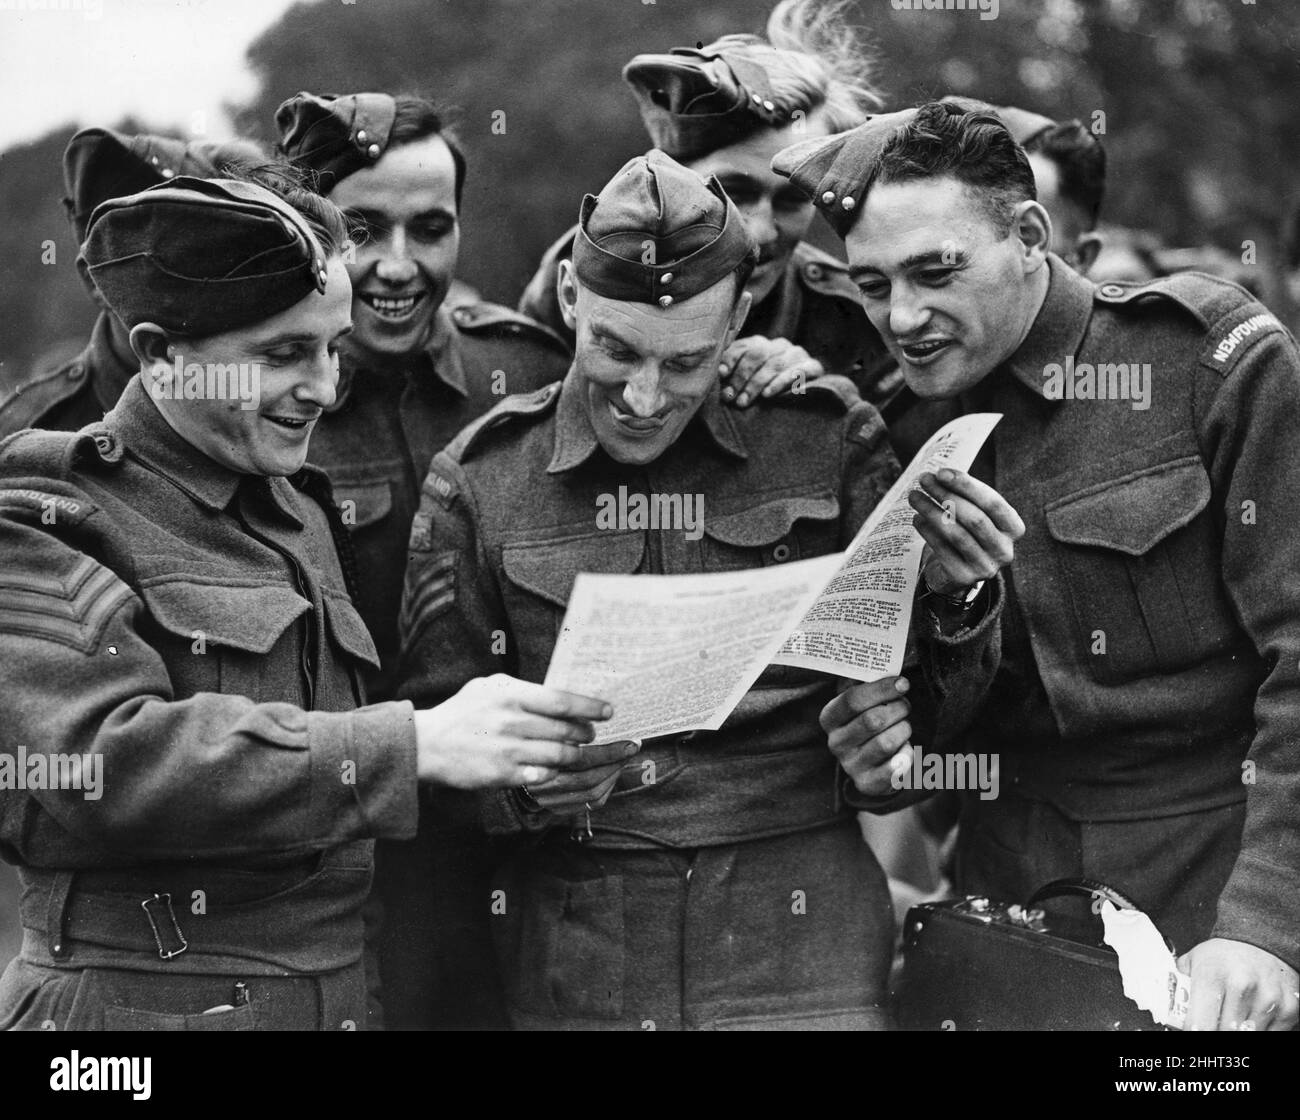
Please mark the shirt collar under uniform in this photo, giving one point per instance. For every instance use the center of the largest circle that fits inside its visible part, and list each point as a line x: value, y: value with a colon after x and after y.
x: 575, y: 438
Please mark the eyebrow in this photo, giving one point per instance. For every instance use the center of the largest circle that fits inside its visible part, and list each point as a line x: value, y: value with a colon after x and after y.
x: 916, y: 260
x: 363, y: 214
x: 293, y: 338
x: 605, y: 334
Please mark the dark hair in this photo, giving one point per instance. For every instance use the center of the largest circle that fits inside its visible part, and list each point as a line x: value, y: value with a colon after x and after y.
x: 281, y: 178
x: 1081, y: 161
x: 970, y: 145
x: 417, y: 118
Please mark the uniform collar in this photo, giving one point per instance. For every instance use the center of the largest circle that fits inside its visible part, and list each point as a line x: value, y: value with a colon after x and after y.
x: 1058, y: 328
x: 136, y: 421
x: 576, y: 442
x: 778, y: 315
x: 109, y: 374
x: 440, y: 357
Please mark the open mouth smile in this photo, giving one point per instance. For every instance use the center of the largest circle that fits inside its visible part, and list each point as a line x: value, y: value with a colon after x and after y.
x: 925, y: 351
x: 393, y: 308
x: 291, y: 423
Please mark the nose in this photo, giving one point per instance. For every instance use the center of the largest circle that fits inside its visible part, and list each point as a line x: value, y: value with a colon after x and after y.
x: 395, y: 265
x: 761, y: 223
x: 643, y: 394
x: 318, y: 385
x: 907, y: 311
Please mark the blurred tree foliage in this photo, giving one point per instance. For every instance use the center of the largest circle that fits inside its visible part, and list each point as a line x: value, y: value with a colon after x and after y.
x: 1198, y: 100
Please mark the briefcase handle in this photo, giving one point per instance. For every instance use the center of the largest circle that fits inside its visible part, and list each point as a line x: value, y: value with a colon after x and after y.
x: 1087, y: 888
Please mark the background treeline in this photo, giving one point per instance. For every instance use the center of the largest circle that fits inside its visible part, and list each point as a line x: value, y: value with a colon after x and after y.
x: 1201, y: 103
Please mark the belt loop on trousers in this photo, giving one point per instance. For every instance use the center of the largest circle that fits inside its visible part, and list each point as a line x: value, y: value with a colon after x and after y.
x: 56, y: 912
x: 158, y: 902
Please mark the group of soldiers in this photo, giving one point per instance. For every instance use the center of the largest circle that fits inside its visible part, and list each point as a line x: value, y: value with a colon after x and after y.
x: 305, y: 633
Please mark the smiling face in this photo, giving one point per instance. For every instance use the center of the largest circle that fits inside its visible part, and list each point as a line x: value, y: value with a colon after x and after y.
x: 406, y: 204
x: 294, y: 355
x: 775, y: 211
x: 950, y: 294
x: 645, y: 370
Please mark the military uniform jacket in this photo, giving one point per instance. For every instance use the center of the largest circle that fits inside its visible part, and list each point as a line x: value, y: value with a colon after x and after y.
x: 815, y: 306
x: 190, y: 627
x: 508, y: 517
x: 65, y: 395
x: 1157, y: 574
x: 378, y: 439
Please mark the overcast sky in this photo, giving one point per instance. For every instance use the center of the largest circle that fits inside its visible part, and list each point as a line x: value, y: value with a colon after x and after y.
x: 168, y: 62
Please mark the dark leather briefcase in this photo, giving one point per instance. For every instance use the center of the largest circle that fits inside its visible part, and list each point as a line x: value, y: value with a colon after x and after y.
x: 975, y: 965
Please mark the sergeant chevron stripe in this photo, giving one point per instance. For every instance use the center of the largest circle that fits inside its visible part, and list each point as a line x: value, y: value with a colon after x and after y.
x: 72, y: 609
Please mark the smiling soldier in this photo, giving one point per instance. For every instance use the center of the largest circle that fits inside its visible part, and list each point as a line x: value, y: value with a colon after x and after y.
x: 173, y: 604
x: 719, y: 879
x: 1135, y: 666
x: 726, y: 109
x: 412, y: 374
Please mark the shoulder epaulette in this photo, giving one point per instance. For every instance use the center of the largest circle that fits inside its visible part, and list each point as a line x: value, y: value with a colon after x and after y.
x: 834, y: 393
x: 491, y: 318
x: 1233, y: 320
x: 824, y: 273
x: 1207, y: 298
x: 55, y: 380
x: 512, y: 409
x: 53, y: 454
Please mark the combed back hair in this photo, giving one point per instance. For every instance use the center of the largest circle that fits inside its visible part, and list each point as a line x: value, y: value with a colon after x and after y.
x: 972, y: 146
x: 815, y: 60
x: 418, y: 118
x: 1081, y: 160
x: 279, y: 177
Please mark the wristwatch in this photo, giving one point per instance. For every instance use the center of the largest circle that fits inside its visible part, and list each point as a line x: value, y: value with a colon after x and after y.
x: 962, y: 600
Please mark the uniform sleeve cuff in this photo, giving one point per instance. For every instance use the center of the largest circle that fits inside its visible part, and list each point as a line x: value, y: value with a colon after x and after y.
x: 364, y: 772
x: 1258, y: 906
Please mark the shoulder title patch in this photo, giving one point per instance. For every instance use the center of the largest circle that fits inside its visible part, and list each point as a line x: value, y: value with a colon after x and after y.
x: 1235, y: 334
x: 49, y: 509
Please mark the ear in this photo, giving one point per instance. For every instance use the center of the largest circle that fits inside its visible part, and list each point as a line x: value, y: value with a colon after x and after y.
x: 566, y: 291
x: 1086, y: 251
x: 149, y: 344
x: 739, y: 314
x: 1033, y: 228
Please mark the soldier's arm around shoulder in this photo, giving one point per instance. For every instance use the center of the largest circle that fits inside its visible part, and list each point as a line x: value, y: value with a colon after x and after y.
x: 211, y: 775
